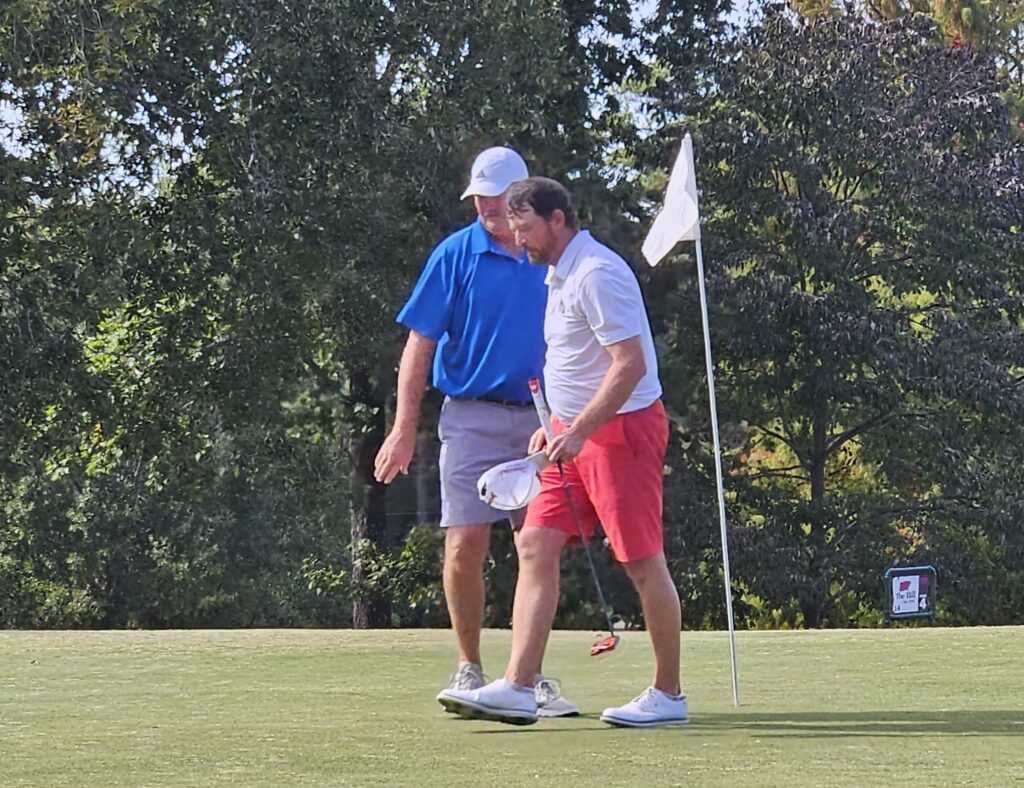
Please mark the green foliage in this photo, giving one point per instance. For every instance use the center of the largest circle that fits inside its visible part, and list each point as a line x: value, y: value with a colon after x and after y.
x: 210, y: 213
x: 408, y: 576
x: 995, y: 27
x: 212, y: 216
x: 863, y: 202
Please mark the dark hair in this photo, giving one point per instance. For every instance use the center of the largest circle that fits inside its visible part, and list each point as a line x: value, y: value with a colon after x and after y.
x: 544, y: 196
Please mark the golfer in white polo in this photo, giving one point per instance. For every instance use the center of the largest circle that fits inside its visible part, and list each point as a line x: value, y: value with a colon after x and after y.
x: 610, y: 438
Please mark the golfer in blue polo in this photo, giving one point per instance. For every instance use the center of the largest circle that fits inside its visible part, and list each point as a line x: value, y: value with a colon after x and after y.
x: 478, y: 312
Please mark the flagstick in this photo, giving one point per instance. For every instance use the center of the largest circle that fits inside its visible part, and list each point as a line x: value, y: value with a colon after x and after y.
x: 718, y: 474
x: 679, y: 220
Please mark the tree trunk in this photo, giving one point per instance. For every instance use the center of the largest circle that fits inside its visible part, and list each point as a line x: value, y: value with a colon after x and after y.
x: 813, y: 613
x: 814, y: 600
x: 819, y: 448
x: 371, y: 609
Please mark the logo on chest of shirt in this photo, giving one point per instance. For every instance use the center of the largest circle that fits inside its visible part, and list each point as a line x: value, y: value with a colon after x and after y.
x: 565, y: 311
x: 559, y: 305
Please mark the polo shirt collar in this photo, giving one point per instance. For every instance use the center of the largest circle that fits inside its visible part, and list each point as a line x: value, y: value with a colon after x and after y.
x: 570, y: 257
x: 480, y: 242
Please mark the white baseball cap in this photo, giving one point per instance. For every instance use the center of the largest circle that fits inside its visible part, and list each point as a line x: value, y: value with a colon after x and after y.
x: 494, y: 171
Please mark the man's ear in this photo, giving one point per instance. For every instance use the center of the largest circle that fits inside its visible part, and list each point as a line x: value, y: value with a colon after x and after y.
x: 558, y: 218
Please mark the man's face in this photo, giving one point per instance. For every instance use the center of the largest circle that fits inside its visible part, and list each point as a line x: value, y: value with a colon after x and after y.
x: 533, y: 234
x: 493, y: 213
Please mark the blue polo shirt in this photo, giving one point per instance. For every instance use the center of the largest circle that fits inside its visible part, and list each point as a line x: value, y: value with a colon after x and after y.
x: 485, y: 308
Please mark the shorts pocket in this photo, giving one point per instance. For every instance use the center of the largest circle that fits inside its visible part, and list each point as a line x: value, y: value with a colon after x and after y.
x: 613, y: 436
x: 646, y: 432
x: 442, y: 420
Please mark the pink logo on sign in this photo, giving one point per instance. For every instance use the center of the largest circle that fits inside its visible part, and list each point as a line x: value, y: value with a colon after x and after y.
x: 904, y: 585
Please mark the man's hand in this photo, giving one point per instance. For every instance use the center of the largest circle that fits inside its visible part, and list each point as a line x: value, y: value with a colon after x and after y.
x: 395, y: 455
x: 537, y: 441
x: 565, y: 446
x: 396, y: 452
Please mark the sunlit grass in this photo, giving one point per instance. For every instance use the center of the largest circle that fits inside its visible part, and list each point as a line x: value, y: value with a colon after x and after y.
x: 858, y: 708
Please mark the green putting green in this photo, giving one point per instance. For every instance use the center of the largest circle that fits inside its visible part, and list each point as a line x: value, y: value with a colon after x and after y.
x: 927, y: 706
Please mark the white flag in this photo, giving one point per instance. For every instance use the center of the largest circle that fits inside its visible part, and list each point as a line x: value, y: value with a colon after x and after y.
x: 679, y: 220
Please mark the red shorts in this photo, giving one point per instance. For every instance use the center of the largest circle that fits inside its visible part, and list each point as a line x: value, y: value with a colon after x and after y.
x: 616, y: 479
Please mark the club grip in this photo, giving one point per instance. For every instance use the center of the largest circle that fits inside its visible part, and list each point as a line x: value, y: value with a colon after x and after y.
x: 541, y: 407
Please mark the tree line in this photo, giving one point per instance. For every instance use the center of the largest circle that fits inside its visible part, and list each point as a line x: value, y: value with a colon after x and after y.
x: 212, y: 211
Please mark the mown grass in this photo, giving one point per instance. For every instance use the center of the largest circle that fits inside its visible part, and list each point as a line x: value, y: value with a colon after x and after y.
x: 312, y: 707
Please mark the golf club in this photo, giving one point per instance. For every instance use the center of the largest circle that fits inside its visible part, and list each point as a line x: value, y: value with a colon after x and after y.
x: 603, y: 645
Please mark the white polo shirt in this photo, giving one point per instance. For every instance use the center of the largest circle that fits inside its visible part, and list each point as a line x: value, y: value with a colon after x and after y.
x: 594, y: 301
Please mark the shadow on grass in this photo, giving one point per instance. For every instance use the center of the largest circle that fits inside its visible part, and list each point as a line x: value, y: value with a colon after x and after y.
x: 812, y: 725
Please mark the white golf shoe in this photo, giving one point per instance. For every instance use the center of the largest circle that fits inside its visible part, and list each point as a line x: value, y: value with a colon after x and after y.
x: 650, y: 709
x: 499, y: 701
x: 550, y: 702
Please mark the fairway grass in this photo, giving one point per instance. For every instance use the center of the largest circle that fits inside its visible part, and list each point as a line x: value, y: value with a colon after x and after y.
x: 928, y: 707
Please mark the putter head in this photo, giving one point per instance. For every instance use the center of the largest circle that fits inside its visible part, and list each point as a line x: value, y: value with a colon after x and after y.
x: 604, y: 645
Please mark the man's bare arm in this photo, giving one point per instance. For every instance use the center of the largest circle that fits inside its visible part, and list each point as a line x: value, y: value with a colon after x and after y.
x: 627, y: 370
x: 398, y: 448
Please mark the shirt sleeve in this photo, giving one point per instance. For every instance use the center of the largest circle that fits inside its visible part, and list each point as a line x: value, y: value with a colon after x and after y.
x: 611, y: 301
x: 429, y: 309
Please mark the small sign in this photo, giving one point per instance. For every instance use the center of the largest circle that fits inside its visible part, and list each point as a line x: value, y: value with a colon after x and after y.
x: 905, y: 593
x: 910, y: 592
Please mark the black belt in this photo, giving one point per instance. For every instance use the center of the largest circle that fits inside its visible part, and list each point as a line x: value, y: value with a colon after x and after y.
x: 508, y: 403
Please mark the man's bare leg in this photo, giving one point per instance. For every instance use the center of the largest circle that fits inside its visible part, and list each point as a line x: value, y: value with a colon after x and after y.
x: 663, y: 617
x: 465, y: 548
x: 540, y: 551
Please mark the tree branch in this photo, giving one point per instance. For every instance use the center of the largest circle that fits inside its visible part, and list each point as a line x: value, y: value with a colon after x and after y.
x: 780, y: 437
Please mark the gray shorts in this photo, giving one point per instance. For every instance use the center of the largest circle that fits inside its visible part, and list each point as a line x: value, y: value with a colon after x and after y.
x: 476, y: 436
